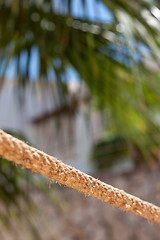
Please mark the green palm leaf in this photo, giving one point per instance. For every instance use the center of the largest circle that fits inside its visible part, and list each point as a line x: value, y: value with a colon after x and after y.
x: 104, y: 55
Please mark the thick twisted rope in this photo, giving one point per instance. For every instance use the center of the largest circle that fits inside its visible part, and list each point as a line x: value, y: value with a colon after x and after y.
x: 28, y: 157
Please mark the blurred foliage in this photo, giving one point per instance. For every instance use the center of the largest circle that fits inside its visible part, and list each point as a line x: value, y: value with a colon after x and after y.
x: 109, y: 57
x: 107, y: 153
x: 12, y: 180
x: 14, y: 186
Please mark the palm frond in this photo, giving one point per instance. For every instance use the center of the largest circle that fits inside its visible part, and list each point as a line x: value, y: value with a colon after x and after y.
x: 108, y: 56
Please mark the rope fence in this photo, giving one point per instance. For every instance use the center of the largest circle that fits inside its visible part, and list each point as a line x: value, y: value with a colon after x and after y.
x: 28, y: 157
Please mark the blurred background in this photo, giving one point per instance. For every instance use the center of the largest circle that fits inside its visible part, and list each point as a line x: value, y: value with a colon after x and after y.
x: 80, y: 80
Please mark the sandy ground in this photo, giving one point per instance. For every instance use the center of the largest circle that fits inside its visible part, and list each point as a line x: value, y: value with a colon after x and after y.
x: 70, y: 215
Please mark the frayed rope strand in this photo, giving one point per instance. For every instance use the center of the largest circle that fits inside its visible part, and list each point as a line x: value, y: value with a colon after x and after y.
x: 28, y: 157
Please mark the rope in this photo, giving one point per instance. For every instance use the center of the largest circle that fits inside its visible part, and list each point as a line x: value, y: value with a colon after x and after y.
x: 28, y: 157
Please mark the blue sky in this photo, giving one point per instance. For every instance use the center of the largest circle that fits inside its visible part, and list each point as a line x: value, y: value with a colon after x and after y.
x: 95, y: 11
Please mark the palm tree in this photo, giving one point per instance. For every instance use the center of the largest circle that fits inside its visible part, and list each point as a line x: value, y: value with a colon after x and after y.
x: 109, y: 57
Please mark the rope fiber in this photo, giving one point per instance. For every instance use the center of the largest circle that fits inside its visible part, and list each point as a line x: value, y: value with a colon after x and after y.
x: 28, y: 157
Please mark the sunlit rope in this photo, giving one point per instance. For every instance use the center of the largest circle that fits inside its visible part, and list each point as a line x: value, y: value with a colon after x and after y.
x: 28, y: 157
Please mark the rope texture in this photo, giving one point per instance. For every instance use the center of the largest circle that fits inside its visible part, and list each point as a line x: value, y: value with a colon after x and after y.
x: 28, y: 157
